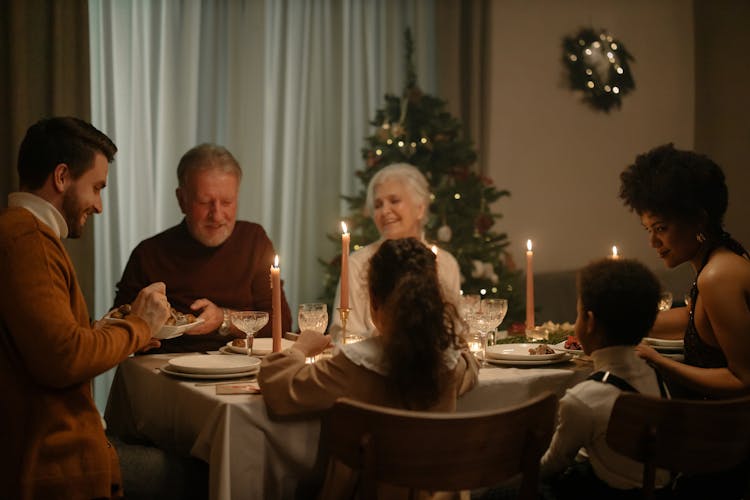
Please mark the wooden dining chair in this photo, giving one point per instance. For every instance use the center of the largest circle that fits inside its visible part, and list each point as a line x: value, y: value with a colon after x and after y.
x: 680, y: 435
x: 440, y: 451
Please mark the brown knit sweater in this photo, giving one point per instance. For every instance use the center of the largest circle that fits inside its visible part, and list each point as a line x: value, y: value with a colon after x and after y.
x: 53, y: 441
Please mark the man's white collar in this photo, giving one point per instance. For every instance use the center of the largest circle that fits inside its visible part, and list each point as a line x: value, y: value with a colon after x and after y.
x: 42, y: 210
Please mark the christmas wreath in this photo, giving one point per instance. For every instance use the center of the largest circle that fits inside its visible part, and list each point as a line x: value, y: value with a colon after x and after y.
x: 598, y: 66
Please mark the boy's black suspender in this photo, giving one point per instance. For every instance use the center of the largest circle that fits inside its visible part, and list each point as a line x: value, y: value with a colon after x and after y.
x: 609, y: 378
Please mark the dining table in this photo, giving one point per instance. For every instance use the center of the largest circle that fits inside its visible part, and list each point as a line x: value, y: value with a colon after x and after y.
x: 250, y: 453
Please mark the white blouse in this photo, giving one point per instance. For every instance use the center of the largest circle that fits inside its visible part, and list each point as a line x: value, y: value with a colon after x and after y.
x: 360, y: 320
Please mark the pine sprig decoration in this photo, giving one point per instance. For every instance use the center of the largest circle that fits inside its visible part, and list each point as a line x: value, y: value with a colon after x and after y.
x: 415, y: 128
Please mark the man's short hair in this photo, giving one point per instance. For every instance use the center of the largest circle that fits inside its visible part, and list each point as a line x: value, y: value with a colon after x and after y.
x: 52, y: 141
x: 623, y: 294
x: 204, y: 157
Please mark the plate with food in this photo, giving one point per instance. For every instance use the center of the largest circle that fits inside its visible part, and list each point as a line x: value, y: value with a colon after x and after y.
x: 571, y: 345
x: 522, y: 352
x: 177, y: 323
x: 563, y: 357
x: 261, y: 346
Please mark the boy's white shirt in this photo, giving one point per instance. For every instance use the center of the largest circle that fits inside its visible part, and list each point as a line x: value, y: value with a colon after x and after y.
x: 583, y: 416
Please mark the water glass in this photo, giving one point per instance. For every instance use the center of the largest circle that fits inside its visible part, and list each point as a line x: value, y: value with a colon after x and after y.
x: 665, y: 301
x: 312, y: 316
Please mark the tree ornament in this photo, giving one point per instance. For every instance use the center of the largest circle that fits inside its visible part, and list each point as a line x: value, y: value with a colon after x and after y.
x: 444, y: 233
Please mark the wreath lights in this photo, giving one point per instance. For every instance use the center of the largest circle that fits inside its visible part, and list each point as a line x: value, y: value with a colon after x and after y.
x: 598, y: 66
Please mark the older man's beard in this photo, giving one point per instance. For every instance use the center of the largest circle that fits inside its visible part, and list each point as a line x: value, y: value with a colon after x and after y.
x: 72, y: 214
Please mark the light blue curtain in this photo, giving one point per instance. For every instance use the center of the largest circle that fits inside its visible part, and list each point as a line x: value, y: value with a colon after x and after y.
x: 288, y: 86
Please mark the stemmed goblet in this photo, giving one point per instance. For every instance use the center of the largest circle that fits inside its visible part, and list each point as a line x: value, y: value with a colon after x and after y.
x: 249, y: 322
x: 491, y: 313
x: 496, y: 310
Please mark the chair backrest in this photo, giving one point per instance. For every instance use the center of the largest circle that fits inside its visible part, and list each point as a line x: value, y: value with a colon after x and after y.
x: 680, y: 435
x: 441, y: 451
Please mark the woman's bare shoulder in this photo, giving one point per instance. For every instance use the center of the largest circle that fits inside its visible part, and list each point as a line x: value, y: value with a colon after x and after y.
x: 725, y: 267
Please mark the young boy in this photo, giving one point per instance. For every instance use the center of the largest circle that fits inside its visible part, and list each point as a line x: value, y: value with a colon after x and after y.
x: 617, y: 306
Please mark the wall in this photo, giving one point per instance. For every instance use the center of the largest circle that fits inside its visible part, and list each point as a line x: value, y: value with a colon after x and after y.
x: 559, y: 157
x: 722, y: 100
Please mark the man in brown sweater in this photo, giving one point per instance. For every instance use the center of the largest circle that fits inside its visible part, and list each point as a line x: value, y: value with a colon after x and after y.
x: 211, y: 263
x: 53, y: 440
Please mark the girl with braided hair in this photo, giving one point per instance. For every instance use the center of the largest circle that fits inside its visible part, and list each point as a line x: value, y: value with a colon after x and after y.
x: 681, y: 198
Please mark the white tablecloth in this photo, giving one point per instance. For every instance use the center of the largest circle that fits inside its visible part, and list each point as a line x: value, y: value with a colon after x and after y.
x: 251, y: 456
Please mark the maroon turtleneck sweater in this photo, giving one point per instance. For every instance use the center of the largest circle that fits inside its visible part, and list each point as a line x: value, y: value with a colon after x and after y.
x: 233, y: 275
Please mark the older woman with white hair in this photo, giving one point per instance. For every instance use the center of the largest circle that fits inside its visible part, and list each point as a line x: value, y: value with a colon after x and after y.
x: 398, y: 200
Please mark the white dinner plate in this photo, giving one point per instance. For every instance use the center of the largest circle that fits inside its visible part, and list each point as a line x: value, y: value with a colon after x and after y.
x: 677, y: 357
x: 663, y: 349
x: 664, y: 342
x: 261, y: 347
x: 560, y: 346
x: 518, y: 352
x: 167, y: 331
x: 203, y: 364
x: 530, y: 362
x: 207, y: 376
x: 172, y: 331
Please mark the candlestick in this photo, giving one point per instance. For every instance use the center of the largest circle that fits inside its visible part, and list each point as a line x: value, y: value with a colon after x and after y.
x: 345, y: 236
x: 529, y: 287
x: 276, y: 304
x: 614, y: 255
x: 344, y: 316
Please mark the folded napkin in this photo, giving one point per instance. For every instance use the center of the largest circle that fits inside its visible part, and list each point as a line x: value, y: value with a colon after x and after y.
x: 238, y: 388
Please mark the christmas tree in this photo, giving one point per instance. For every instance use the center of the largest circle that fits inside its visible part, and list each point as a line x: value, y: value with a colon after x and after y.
x: 415, y: 128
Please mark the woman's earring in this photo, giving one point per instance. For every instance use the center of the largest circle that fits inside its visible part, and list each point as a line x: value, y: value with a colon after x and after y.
x: 700, y: 237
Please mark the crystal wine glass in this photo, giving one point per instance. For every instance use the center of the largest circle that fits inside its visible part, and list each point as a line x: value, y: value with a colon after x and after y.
x: 313, y: 316
x: 249, y: 322
x: 496, y: 310
x: 480, y: 322
x: 469, y: 303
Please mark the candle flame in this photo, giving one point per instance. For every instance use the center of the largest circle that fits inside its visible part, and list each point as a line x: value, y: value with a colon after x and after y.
x: 528, y: 245
x: 343, y: 227
x: 614, y: 251
x: 276, y: 261
x: 434, y: 249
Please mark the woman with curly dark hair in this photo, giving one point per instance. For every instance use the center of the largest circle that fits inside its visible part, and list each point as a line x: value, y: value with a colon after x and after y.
x: 681, y: 198
x: 417, y: 362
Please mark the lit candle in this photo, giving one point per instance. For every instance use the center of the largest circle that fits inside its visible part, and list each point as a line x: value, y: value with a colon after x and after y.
x: 615, y: 256
x: 276, y: 304
x: 434, y: 250
x: 345, y: 236
x: 529, y: 287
